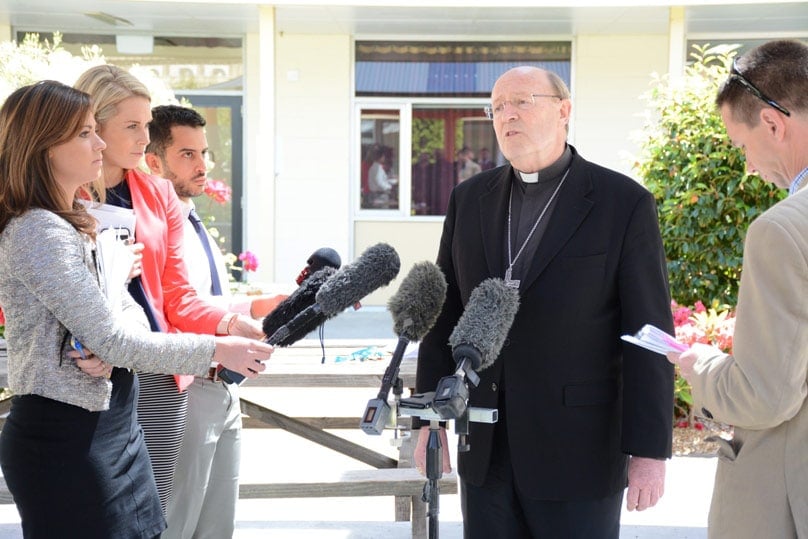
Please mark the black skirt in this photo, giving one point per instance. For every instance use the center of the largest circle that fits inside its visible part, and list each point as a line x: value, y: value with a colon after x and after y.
x: 76, y: 473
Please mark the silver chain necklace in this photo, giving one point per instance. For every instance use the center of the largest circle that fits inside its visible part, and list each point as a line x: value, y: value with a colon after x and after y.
x: 509, y: 281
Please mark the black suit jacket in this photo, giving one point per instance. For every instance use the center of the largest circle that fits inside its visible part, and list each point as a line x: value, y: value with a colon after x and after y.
x: 578, y: 399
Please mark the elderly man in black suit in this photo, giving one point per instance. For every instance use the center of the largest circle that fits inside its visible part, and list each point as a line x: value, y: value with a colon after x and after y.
x: 582, y: 415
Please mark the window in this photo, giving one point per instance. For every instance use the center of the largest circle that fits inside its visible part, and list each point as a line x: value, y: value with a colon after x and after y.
x: 449, y: 144
x: 422, y: 126
x: 380, y: 154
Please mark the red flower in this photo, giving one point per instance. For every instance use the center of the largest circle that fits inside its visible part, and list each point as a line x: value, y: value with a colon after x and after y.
x: 219, y: 191
x: 249, y: 262
x: 2, y: 317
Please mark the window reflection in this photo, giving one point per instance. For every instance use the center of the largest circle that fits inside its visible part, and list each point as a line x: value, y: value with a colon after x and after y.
x: 449, y: 145
x: 380, y: 153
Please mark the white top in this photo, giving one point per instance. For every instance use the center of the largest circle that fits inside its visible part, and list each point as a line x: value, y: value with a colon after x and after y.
x: 196, y: 261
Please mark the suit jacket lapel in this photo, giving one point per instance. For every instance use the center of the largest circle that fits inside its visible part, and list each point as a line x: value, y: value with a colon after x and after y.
x: 493, y: 215
x: 570, y: 210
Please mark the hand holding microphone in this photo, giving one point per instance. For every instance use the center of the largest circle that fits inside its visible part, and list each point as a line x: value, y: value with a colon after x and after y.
x: 376, y: 267
x: 241, y: 356
x: 299, y: 300
x: 303, y: 297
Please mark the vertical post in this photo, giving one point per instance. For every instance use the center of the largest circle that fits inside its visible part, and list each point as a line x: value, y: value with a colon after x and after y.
x: 434, y: 471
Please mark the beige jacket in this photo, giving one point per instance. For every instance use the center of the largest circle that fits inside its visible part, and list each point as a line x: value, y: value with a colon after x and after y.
x: 761, y: 487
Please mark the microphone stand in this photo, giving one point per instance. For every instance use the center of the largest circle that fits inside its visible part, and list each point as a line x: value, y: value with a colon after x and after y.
x: 422, y: 406
x: 434, y: 471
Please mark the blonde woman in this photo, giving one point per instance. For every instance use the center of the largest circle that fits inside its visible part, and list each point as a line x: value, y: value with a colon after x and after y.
x: 122, y: 108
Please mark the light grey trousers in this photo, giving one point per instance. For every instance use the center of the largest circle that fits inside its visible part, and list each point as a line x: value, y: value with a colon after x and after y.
x: 203, y: 504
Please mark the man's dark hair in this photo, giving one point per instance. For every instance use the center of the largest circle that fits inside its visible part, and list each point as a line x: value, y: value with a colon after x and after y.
x: 778, y: 69
x: 164, y: 118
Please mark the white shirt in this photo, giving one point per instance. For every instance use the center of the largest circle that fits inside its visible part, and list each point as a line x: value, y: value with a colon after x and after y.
x: 196, y: 260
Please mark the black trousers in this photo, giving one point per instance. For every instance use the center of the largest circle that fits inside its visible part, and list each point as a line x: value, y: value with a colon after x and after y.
x: 497, y: 509
x: 76, y: 474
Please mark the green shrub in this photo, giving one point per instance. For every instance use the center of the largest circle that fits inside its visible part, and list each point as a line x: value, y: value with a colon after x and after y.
x: 704, y: 196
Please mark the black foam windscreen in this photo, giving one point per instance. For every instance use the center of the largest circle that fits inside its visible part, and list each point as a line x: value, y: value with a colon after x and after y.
x: 376, y: 267
x: 417, y: 303
x: 485, y: 323
x: 319, y: 259
x: 304, y: 296
x: 324, y: 257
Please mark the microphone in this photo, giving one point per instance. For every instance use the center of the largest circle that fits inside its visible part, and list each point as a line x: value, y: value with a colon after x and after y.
x: 320, y: 266
x: 476, y: 342
x: 319, y: 259
x: 415, y: 307
x: 299, y: 300
x: 376, y: 267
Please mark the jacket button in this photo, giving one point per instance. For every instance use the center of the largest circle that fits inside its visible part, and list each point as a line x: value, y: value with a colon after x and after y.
x: 706, y: 413
x: 507, y: 342
x: 494, y: 386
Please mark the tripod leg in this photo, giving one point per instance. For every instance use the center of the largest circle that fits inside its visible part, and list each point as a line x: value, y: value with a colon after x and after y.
x: 434, y: 471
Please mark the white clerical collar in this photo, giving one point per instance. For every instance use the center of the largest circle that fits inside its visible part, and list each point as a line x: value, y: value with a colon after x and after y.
x: 529, y: 177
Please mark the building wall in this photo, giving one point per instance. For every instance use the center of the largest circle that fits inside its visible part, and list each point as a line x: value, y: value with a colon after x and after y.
x: 312, y: 144
x: 611, y: 73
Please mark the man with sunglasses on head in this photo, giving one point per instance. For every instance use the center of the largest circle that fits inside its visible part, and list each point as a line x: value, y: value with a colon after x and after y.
x: 581, y: 415
x: 761, y: 485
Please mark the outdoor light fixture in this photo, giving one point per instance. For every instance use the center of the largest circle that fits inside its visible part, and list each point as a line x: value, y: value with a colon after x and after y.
x: 134, y: 44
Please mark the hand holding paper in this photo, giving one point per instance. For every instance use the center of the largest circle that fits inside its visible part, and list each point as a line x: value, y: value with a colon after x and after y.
x: 654, y: 339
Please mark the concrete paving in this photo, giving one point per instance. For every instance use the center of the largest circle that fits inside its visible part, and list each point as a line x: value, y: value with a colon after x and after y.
x: 273, y: 454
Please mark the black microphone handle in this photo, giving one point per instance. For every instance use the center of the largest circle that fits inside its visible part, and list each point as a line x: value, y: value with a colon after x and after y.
x: 465, y: 368
x: 304, y: 317
x: 391, y: 373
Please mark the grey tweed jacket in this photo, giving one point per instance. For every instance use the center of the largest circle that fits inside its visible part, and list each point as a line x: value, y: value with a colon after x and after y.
x: 49, y: 289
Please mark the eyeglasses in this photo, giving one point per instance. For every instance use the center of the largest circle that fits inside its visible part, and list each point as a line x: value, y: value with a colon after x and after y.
x: 521, y: 102
x: 735, y: 75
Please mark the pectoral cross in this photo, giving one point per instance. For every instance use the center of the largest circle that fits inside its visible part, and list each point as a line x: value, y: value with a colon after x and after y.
x: 511, y: 283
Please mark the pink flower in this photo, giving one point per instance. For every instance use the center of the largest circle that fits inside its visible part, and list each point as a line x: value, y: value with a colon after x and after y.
x: 249, y: 262
x: 681, y: 315
x: 703, y: 325
x: 219, y: 191
x: 2, y: 317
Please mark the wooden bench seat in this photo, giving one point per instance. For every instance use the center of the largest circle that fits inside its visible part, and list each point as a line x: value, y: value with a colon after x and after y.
x: 382, y: 482
x: 399, y: 482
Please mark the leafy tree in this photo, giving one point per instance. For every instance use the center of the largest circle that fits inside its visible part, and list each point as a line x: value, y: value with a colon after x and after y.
x: 706, y: 199
x: 32, y: 60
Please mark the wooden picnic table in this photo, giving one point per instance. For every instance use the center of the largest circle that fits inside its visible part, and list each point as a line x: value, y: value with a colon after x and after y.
x: 301, y: 366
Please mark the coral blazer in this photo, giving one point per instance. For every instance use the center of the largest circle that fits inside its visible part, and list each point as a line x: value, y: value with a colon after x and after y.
x: 159, y: 227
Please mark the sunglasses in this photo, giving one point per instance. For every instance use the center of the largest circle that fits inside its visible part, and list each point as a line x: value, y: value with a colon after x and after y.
x: 735, y: 75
